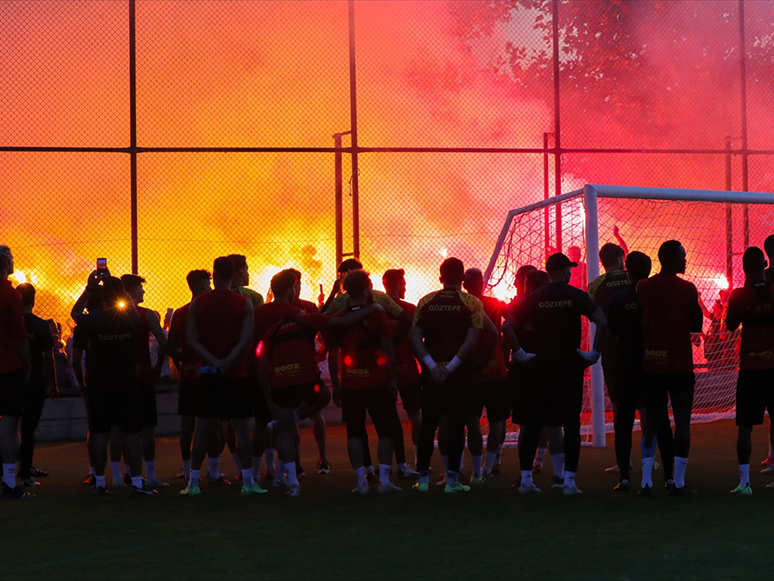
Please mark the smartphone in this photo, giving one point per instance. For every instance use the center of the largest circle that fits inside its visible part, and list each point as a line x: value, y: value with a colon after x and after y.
x: 102, y: 268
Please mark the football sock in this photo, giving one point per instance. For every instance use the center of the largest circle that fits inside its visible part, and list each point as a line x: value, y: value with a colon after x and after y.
x: 91, y: 471
x: 569, y: 479
x: 680, y: 465
x: 744, y: 475
x: 247, y: 477
x: 370, y: 470
x: 280, y: 468
x: 150, y: 470
x: 237, y: 462
x: 416, y: 455
x: 137, y: 481
x: 127, y: 469
x: 499, y: 454
x: 384, y: 474
x: 214, y: 468
x: 257, y: 460
x: 476, y: 465
x: 451, y: 478
x: 9, y: 475
x: 116, y: 469
x: 361, y: 478
x: 404, y: 467
x: 101, y: 481
x: 193, y: 481
x: 491, y: 457
x: 424, y: 477
x: 647, y: 471
x: 445, y: 460
x: 526, y: 478
x: 187, y: 468
x: 558, y: 461
x: 268, y: 455
x: 540, y: 456
x: 290, y: 467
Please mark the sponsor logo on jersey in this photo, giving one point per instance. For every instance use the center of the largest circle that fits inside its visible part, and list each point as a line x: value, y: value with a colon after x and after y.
x: 290, y: 368
x: 116, y: 337
x: 444, y: 307
x: 631, y: 306
x: 358, y: 372
x: 656, y: 354
x: 616, y: 283
x: 554, y: 304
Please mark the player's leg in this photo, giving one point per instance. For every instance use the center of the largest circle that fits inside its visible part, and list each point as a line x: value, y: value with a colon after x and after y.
x: 556, y: 449
x: 117, y: 448
x: 681, y: 395
x: 384, y: 414
x: 462, y: 406
x: 498, y: 409
x: 11, y: 409
x: 475, y: 446
x: 313, y: 410
x: 432, y: 409
x: 572, y: 404
x: 751, y: 391
x: 655, y: 399
x: 206, y: 441
x: 353, y: 413
x: 98, y: 455
x: 623, y: 426
x: 186, y: 411
x: 540, y: 452
x: 130, y: 417
x: 148, y: 435
x: 33, y: 407
x: 411, y: 398
x: 529, y: 436
x: 104, y: 406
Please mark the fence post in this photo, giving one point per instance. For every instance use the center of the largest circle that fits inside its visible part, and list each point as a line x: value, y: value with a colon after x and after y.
x: 133, y: 131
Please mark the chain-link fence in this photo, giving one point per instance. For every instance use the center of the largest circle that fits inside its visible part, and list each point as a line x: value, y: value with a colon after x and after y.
x: 161, y: 134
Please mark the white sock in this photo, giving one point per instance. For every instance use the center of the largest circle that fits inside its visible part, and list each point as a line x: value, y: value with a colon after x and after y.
x: 384, y: 474
x: 680, y: 465
x: 257, y: 461
x: 361, y: 478
x: 491, y: 457
x: 237, y: 462
x: 280, y: 468
x: 451, y: 478
x: 187, y: 468
x: 127, y: 469
x: 116, y: 469
x: 558, y: 461
x: 445, y: 460
x: 101, y: 481
x: 214, y: 467
x: 247, y: 477
x: 9, y: 475
x: 424, y: 477
x: 150, y: 470
x: 499, y: 454
x: 476, y: 465
x: 540, y: 456
x: 370, y: 470
x: 744, y: 475
x: 193, y: 481
x: 526, y: 478
x: 647, y: 471
x: 137, y: 481
x: 404, y: 467
x: 290, y: 467
x: 268, y: 455
x: 569, y: 479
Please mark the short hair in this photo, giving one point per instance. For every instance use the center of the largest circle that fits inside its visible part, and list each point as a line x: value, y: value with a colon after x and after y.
x: 349, y: 264
x: 473, y: 274
x: 5, y: 252
x: 27, y: 292
x: 131, y: 280
x: 197, y: 275
x: 638, y: 264
x: 282, y: 282
x: 524, y: 269
x: 356, y: 282
x: 223, y: 267
x: 668, y: 251
x: 393, y: 275
x: 296, y: 272
x: 753, y: 260
x: 536, y: 279
x: 113, y: 290
x: 239, y: 260
x: 609, y: 254
x: 452, y: 271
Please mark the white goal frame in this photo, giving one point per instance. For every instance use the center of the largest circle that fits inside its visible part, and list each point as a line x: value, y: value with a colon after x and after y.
x: 590, y: 194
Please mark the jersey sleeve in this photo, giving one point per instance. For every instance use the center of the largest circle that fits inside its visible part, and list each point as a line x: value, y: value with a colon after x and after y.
x: 392, y: 308
x: 81, y: 333
x: 476, y: 308
x: 18, y: 330
x: 317, y: 321
x: 47, y: 338
x: 594, y: 285
x: 337, y: 305
x: 586, y: 305
x: 421, y: 307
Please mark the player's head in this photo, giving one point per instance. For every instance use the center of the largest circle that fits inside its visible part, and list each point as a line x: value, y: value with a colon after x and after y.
x: 133, y: 287
x: 357, y: 284
x: 6, y: 261
x: 199, y: 282
x: 283, y: 286
x: 297, y: 285
x: 638, y: 266
x: 574, y: 252
x: 671, y: 255
x: 559, y: 267
x: 753, y: 262
x: 223, y: 272
x: 348, y: 265
x: 241, y: 273
x: 114, y: 295
x: 521, y: 278
x: 474, y: 282
x: 27, y: 292
x: 394, y: 281
x: 452, y: 272
x: 535, y: 279
x: 611, y: 256
x: 768, y: 246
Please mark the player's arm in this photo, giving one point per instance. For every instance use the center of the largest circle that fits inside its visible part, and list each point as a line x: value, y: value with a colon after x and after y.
x: 598, y: 318
x: 417, y: 336
x: 77, y: 369
x: 192, y: 336
x: 245, y: 337
x: 697, y: 314
x: 152, y: 319
x: 174, y: 345
x: 333, y: 294
x: 490, y: 335
x: 353, y: 317
x: 733, y: 315
x: 621, y: 242
x: 83, y: 300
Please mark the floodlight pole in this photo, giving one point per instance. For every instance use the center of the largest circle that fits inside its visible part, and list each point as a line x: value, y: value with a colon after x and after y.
x: 745, y: 153
x: 353, y: 127
x: 592, y: 267
x: 133, y: 134
x: 729, y: 219
x: 337, y: 143
x: 557, y: 125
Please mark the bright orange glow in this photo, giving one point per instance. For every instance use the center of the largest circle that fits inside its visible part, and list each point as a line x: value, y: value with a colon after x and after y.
x: 121, y: 304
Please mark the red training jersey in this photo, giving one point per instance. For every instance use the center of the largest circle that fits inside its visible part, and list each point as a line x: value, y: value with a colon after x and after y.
x: 12, y: 329
x: 495, y: 369
x: 407, y: 368
x: 363, y: 361
x: 142, y: 348
x: 445, y: 317
x: 753, y: 307
x: 668, y: 304
x: 189, y: 371
x: 219, y: 314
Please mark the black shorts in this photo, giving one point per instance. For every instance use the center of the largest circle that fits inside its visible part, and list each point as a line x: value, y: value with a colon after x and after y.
x: 411, y: 396
x: 380, y: 404
x: 457, y: 395
x: 114, y: 404
x: 186, y: 399
x: 754, y: 394
x: 218, y: 396
x: 496, y: 397
x: 657, y: 388
x: 628, y: 387
x: 12, y: 393
x: 149, y: 417
x: 293, y: 396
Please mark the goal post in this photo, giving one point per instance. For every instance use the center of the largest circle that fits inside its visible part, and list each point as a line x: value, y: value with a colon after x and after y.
x: 713, y: 225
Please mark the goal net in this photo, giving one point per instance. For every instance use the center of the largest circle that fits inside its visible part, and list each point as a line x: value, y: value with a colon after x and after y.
x: 714, y: 226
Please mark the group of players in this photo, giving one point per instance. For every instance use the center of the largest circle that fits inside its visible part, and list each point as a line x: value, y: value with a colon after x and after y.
x: 244, y: 363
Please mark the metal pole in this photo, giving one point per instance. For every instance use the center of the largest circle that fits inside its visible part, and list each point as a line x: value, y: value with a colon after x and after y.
x: 745, y: 153
x: 133, y: 132
x: 339, y: 202
x: 546, y: 193
x: 557, y: 128
x: 729, y: 220
x: 353, y: 128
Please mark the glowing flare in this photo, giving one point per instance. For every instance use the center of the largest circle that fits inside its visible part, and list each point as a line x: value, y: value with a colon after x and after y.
x: 121, y: 304
x: 259, y: 349
x: 19, y: 276
x: 348, y: 361
x: 721, y: 282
